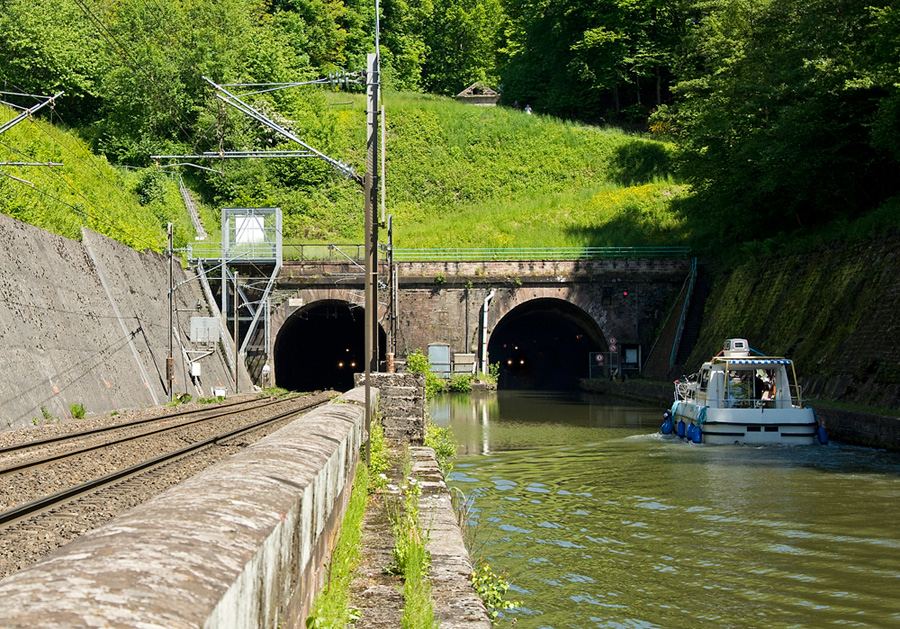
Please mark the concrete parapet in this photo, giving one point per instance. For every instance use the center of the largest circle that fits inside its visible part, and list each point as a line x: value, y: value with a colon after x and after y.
x: 456, y: 604
x: 242, y: 544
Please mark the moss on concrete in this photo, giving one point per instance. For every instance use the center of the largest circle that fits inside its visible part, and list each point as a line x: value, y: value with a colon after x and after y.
x: 833, y: 310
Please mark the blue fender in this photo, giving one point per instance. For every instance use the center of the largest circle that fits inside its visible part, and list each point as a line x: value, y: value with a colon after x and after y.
x: 667, y: 426
x: 698, y: 435
x: 681, y: 428
x: 821, y: 435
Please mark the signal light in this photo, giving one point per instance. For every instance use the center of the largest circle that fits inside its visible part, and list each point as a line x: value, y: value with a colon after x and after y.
x: 624, y: 293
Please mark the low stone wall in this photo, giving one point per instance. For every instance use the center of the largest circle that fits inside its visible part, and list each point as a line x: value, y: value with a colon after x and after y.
x: 401, y: 404
x: 242, y: 544
x: 456, y: 604
x: 864, y: 429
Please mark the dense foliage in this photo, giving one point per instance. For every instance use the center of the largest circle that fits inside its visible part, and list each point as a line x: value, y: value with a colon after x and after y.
x: 785, y: 112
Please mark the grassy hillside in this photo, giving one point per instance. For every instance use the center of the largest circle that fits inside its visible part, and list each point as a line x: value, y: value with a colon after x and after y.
x: 459, y: 175
x: 132, y: 206
x: 456, y: 175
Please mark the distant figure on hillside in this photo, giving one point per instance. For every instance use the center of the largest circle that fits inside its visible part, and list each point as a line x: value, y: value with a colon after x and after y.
x: 528, y: 109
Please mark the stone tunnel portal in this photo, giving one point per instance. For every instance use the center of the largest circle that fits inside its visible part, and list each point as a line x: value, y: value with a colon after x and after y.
x: 321, y: 346
x: 544, y: 344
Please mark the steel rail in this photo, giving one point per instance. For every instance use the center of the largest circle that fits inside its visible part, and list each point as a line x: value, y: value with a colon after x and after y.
x: 100, y: 446
x: 93, y: 431
x: 28, y: 509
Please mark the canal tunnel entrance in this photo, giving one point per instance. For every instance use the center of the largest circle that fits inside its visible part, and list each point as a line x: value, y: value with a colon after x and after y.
x: 544, y: 344
x: 321, y: 346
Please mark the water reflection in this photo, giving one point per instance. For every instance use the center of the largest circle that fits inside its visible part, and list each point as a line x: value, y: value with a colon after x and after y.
x: 600, y: 522
x: 511, y: 420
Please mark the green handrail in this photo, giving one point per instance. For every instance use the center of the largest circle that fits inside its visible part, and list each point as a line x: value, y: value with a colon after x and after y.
x: 539, y: 253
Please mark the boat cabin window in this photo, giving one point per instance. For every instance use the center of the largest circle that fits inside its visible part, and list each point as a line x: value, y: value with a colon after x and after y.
x: 703, y: 384
x: 747, y: 388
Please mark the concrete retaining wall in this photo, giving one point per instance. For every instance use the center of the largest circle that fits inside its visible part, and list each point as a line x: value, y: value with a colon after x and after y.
x: 87, y: 323
x: 243, y: 544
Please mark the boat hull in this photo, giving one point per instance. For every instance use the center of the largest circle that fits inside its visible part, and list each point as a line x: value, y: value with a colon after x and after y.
x: 754, y: 426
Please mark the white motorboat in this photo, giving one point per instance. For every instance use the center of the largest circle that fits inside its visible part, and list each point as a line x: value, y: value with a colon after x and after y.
x: 744, y: 399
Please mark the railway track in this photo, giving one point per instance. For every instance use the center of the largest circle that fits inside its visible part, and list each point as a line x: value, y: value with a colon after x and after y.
x: 102, y: 472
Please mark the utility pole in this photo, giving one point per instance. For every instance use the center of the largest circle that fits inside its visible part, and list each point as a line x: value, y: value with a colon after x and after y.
x: 170, y: 359
x: 237, y: 343
x: 370, y: 185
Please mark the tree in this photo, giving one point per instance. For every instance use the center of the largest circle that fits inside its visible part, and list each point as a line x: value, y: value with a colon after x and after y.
x: 463, y: 39
x: 591, y: 60
x: 775, y: 107
x: 47, y: 46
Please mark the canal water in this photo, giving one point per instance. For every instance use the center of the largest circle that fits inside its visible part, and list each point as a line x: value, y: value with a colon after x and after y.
x: 599, y: 521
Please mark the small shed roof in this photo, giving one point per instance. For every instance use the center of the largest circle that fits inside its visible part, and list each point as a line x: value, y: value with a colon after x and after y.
x: 479, y: 94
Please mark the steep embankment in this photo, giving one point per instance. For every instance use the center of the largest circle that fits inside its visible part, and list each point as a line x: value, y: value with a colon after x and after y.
x: 84, y: 190
x: 835, y: 311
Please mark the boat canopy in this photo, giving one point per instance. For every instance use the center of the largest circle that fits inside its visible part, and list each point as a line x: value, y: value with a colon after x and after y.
x: 759, y: 361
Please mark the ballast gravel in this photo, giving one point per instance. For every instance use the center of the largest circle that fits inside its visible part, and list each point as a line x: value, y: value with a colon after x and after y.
x: 24, y: 542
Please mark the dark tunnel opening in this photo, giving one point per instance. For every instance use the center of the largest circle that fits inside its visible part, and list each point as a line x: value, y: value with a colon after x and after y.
x: 544, y: 345
x: 321, y: 347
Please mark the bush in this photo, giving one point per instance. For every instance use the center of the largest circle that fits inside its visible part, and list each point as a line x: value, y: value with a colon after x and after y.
x: 77, y: 411
x: 417, y: 362
x: 461, y: 383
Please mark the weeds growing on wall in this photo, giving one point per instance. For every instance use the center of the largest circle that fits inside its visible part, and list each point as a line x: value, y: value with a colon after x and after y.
x: 490, y: 586
x: 331, y: 607
x: 411, y: 558
x: 417, y: 362
x: 461, y: 383
x: 444, y: 444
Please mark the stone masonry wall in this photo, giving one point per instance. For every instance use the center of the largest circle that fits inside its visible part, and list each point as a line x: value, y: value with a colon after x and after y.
x: 401, y: 404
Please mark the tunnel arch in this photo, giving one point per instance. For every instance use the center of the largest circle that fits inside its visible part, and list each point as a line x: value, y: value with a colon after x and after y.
x: 544, y: 344
x: 321, y: 346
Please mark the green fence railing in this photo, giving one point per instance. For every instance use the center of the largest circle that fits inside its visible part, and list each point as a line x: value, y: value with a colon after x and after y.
x: 356, y: 252
x: 539, y: 253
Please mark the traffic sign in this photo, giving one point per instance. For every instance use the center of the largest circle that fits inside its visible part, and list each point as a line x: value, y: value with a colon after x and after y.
x: 612, y: 340
x: 614, y: 348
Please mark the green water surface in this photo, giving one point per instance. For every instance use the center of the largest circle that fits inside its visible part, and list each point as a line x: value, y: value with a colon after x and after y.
x: 599, y: 521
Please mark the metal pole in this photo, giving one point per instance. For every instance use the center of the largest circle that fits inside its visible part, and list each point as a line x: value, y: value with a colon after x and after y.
x: 170, y: 359
x: 371, y: 188
x: 392, y: 292
x: 237, y: 355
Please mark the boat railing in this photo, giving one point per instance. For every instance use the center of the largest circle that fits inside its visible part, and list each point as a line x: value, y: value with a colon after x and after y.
x: 685, y: 388
x: 745, y: 402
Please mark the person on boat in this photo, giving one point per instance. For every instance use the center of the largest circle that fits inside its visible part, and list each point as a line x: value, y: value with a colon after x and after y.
x: 768, y: 396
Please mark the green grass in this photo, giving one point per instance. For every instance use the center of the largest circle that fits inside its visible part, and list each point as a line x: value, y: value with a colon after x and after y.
x: 332, y: 603
x: 85, y: 191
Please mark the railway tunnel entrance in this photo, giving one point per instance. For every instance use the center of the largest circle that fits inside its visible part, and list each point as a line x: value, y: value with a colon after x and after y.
x: 321, y: 346
x: 544, y: 344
